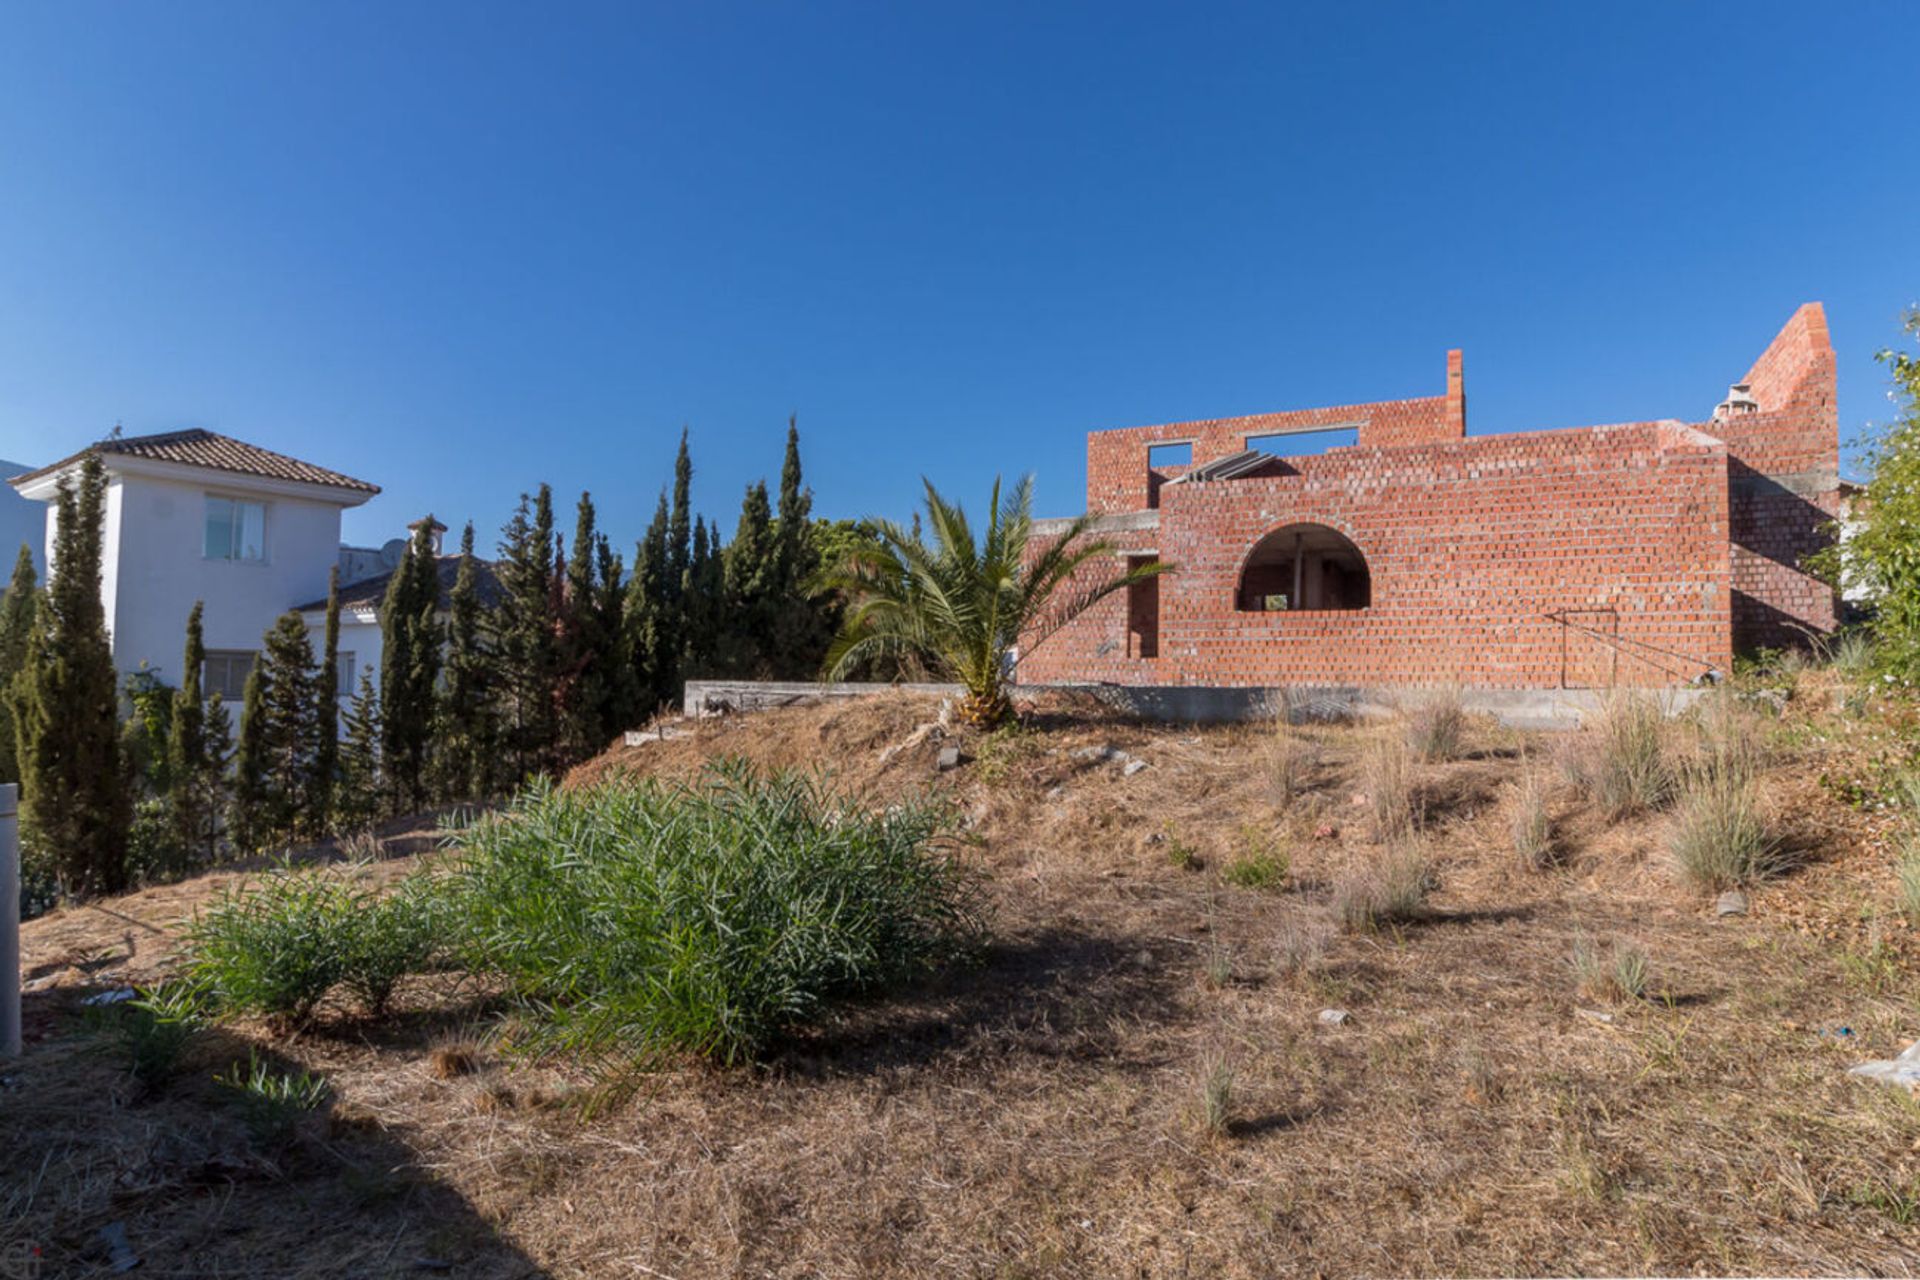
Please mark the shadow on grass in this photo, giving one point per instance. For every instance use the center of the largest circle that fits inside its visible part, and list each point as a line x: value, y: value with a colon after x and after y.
x: 201, y: 1175
x: 1058, y: 994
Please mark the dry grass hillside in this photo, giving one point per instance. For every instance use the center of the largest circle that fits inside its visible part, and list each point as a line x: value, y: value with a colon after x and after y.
x: 1136, y: 1078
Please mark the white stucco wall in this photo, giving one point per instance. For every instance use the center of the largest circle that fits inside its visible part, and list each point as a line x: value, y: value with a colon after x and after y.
x: 361, y: 638
x: 156, y: 568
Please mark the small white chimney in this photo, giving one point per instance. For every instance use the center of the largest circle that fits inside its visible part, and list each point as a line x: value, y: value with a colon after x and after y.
x: 1739, y: 401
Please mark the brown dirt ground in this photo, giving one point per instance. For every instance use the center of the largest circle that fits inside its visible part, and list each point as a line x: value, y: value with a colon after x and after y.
x: 1039, y: 1113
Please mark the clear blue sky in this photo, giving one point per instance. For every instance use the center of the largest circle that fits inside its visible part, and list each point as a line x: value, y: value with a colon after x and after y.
x: 459, y: 249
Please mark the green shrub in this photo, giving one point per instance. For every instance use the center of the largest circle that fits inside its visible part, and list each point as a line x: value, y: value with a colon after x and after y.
x: 276, y: 947
x: 388, y: 938
x: 640, y: 919
x: 154, y: 1029
x: 1262, y: 866
x: 273, y: 1103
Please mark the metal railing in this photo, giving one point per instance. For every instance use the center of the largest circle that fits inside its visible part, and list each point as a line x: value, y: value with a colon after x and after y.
x: 1682, y: 667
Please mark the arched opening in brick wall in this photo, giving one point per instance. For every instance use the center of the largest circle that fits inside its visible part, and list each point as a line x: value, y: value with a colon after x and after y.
x: 1304, y: 566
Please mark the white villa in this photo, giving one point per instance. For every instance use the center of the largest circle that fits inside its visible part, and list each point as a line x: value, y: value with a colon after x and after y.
x: 191, y: 515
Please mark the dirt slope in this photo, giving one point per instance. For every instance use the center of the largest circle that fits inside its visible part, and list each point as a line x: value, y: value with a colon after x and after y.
x: 1038, y: 1115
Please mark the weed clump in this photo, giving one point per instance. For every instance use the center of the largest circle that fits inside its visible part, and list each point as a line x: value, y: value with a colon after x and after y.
x: 1624, y: 761
x: 273, y: 1103
x: 1392, y: 799
x: 1617, y: 974
x: 1261, y: 864
x: 1530, y: 826
x: 276, y: 947
x: 1216, y: 1098
x: 1719, y: 837
x: 1437, y: 726
x: 1390, y: 888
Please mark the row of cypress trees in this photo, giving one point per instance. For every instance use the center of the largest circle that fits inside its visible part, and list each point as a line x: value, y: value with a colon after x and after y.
x: 474, y: 698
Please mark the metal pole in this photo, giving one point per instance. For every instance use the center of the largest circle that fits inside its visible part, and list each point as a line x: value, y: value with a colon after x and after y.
x: 9, y: 920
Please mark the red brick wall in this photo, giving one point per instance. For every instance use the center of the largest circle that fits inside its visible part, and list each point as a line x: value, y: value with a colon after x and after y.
x: 1784, y: 485
x: 1118, y: 478
x: 1471, y: 544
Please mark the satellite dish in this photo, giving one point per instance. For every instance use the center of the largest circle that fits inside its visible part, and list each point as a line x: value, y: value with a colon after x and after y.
x: 393, y: 552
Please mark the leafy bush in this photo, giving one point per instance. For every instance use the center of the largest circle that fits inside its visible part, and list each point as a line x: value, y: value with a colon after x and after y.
x: 640, y: 919
x: 1437, y: 725
x: 384, y: 940
x: 277, y: 947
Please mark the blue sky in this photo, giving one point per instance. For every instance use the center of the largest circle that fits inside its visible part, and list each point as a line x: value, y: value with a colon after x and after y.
x: 459, y: 249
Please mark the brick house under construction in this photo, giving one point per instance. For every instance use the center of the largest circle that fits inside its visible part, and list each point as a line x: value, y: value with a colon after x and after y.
x: 1647, y: 553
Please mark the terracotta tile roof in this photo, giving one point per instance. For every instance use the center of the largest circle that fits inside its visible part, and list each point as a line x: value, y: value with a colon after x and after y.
x: 368, y: 593
x: 197, y: 448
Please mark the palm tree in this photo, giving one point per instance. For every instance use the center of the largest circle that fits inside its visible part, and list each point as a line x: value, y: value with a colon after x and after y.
x: 960, y: 605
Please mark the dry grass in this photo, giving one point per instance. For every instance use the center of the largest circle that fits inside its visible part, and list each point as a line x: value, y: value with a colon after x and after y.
x: 1531, y: 826
x: 1624, y: 761
x: 1616, y: 973
x: 1393, y: 800
x: 1437, y: 725
x: 1045, y: 1113
x: 1383, y: 888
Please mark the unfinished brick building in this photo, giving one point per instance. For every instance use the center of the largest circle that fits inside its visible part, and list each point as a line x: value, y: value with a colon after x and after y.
x: 1645, y: 554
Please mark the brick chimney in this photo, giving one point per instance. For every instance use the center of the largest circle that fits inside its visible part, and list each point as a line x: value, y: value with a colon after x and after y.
x: 1456, y: 394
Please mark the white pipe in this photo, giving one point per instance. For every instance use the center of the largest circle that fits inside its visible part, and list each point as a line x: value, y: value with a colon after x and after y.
x: 9, y: 920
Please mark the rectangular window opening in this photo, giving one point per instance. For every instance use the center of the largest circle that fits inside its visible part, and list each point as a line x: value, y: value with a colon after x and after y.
x: 1170, y: 455
x: 1143, y: 613
x: 235, y: 530
x: 225, y: 673
x: 1305, y: 444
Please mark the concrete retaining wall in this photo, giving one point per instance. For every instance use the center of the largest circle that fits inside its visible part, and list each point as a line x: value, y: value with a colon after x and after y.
x: 1195, y: 704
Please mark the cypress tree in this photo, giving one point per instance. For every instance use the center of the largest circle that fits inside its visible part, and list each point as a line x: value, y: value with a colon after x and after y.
x: 194, y: 797
x: 279, y: 740
x: 410, y: 668
x: 248, y: 824
x: 705, y: 601
x: 679, y: 531
x: 802, y: 623
x: 585, y: 686
x: 612, y: 606
x: 649, y: 635
x: 76, y: 802
x: 361, y: 788
x: 326, y: 765
x: 752, y: 578
x: 524, y: 642
x: 464, y: 757
x: 17, y: 608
